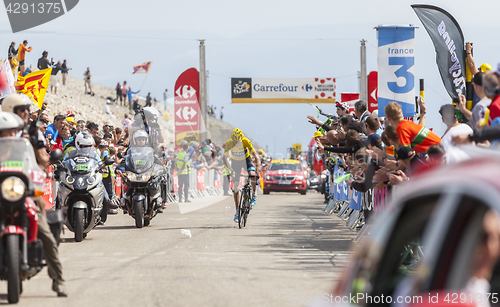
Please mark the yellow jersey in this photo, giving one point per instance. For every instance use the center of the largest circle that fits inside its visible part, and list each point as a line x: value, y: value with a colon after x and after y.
x: 241, y: 151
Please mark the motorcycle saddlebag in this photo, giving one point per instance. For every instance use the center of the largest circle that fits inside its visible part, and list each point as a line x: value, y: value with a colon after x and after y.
x: 35, y: 253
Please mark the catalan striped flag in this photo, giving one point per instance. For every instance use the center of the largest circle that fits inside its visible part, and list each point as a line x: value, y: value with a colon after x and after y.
x: 34, y: 85
x: 142, y: 69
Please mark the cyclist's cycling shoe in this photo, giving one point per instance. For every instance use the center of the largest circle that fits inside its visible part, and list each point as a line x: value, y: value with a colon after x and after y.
x: 253, y: 202
x: 236, y: 218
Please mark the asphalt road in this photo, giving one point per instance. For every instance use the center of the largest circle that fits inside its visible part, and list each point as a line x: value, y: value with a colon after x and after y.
x: 289, y: 249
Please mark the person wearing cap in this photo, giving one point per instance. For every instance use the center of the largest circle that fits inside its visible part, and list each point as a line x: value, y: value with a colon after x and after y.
x: 342, y: 108
x: 107, y: 109
x: 21, y: 54
x: 43, y: 62
x: 410, y: 134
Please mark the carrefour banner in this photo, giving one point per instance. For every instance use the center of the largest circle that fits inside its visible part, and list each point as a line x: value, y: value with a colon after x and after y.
x: 287, y: 90
x: 187, y: 107
x: 396, y: 68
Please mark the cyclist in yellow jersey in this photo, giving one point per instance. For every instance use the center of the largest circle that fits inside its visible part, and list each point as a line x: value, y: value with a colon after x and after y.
x: 240, y: 149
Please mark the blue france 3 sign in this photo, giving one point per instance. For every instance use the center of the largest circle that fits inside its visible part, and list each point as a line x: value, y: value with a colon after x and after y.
x: 396, y: 68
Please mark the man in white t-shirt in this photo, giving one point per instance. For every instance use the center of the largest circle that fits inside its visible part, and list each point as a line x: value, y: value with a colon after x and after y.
x: 453, y: 154
x: 479, y: 110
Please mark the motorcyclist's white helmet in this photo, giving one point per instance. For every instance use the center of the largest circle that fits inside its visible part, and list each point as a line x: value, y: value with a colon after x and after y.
x: 140, y: 134
x: 13, y: 100
x: 84, y: 140
x: 10, y: 121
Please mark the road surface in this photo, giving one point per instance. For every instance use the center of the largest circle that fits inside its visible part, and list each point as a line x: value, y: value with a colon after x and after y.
x: 289, y: 249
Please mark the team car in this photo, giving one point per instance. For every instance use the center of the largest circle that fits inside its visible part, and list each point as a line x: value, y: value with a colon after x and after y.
x: 285, y: 176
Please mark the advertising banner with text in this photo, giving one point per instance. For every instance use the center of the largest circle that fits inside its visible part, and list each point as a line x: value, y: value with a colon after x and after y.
x: 187, y: 107
x: 396, y: 68
x: 286, y: 90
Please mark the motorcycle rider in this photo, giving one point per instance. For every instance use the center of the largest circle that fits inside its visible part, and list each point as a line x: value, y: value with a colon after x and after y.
x: 50, y: 250
x: 84, y: 139
x: 140, y: 139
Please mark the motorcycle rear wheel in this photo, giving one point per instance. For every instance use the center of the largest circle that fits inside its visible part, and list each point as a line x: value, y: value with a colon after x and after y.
x: 13, y: 269
x: 139, y: 214
x: 79, y: 223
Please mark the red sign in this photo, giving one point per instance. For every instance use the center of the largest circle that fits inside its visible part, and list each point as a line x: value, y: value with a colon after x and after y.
x: 217, y: 180
x: 187, y: 106
x: 200, y: 179
x: 176, y: 181
x: 48, y: 196
x: 118, y: 186
x: 372, y: 91
x: 350, y: 99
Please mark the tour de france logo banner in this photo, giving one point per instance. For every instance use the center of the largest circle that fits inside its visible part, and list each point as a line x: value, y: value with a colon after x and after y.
x: 285, y: 90
x: 396, y: 68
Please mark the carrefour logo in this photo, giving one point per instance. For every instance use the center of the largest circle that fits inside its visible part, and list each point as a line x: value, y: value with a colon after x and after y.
x: 307, y: 87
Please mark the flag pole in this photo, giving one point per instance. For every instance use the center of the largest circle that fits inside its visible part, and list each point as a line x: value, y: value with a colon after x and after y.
x: 144, y: 81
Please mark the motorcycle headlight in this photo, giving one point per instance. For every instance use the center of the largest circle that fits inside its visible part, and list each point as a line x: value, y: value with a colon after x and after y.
x: 300, y: 177
x: 131, y: 176
x: 91, y: 180
x: 13, y: 189
x: 70, y: 179
x: 145, y: 177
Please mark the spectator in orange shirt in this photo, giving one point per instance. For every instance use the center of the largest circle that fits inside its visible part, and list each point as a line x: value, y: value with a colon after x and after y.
x: 21, y: 54
x: 410, y: 134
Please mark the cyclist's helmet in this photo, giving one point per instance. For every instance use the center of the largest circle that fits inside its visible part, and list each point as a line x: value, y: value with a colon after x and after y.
x: 237, y: 135
x: 84, y: 140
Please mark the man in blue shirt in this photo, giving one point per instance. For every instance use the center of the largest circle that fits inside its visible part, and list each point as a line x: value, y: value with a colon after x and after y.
x: 54, y: 128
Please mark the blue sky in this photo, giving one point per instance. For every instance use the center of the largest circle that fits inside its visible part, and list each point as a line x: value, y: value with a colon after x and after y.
x: 271, y: 39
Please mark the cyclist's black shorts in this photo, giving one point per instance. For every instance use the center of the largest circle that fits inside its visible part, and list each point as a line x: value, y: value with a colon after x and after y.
x: 237, y: 165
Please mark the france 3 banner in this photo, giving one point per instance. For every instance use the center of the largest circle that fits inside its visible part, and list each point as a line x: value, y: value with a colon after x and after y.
x: 286, y: 90
x: 355, y: 202
x: 187, y: 107
x: 448, y: 41
x: 396, y: 68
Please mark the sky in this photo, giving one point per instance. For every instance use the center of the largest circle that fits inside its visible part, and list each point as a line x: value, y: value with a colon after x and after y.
x: 267, y: 39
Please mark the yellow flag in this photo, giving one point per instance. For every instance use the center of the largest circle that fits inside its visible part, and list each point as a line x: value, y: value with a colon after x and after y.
x: 34, y: 85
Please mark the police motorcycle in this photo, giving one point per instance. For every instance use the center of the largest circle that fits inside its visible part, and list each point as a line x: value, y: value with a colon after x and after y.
x: 81, y: 191
x: 143, y: 180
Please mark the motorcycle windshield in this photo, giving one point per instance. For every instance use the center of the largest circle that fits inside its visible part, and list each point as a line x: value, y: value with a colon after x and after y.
x: 140, y: 159
x: 82, y: 161
x: 17, y: 156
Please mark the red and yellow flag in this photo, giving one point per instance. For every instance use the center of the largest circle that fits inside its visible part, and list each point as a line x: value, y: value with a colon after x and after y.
x: 142, y: 69
x: 34, y: 85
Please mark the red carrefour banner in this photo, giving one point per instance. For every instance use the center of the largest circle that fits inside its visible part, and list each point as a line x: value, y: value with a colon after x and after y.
x: 217, y: 180
x: 372, y: 91
x: 48, y: 194
x: 176, y: 181
x: 350, y: 99
x: 187, y: 106
x: 118, y: 186
x: 200, y: 179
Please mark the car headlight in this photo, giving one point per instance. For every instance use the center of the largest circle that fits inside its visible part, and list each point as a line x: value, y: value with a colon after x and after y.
x: 300, y: 177
x: 13, y: 189
x: 268, y: 177
x: 323, y: 176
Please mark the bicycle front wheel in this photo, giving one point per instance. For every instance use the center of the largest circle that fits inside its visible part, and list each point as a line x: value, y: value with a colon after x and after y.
x: 243, y: 210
